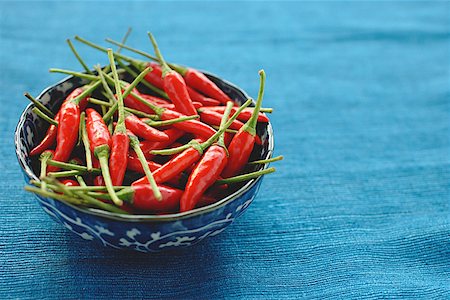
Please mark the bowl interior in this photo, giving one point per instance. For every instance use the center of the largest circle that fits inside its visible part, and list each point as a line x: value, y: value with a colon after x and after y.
x: 31, y: 129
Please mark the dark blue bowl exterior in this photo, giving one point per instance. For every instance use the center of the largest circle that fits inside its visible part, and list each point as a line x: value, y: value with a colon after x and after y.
x: 144, y: 236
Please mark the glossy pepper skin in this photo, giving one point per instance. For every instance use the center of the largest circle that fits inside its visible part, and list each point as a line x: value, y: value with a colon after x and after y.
x: 198, y: 81
x: 196, y: 96
x: 118, y: 157
x: 143, y: 198
x: 203, y: 176
x: 155, y: 76
x: 143, y: 130
x: 97, y: 130
x: 213, y: 118
x: 135, y: 165
x: 239, y: 149
x: 52, y: 131
x: 67, y: 134
x: 147, y: 146
x: 243, y: 116
x: 175, y: 87
x: 48, y: 140
x: 192, y: 126
x: 174, y: 167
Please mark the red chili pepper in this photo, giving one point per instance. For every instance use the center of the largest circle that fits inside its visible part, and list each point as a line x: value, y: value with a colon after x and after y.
x: 243, y: 116
x: 174, y: 85
x: 190, y: 155
x: 173, y: 134
x: 135, y: 165
x: 155, y: 76
x: 143, y: 130
x: 118, y: 157
x: 69, y: 182
x: 213, y: 118
x: 242, y: 144
x: 67, y: 135
x: 196, y: 96
x: 100, y: 143
x: 68, y: 124
x: 51, y: 134
x: 98, y: 180
x: 204, y: 175
x: 48, y: 140
x: 174, y: 167
x: 200, y: 82
x: 142, y: 198
x: 154, y: 99
x: 192, y: 126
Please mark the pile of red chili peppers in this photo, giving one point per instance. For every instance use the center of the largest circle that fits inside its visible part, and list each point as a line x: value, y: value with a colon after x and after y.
x: 146, y: 137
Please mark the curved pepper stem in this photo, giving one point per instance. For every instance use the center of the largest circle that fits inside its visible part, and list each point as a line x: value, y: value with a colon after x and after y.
x: 78, y: 57
x: 39, y: 105
x: 165, y: 67
x: 223, y: 121
x: 266, y: 161
x: 245, y: 177
x: 180, y: 69
x: 250, y: 126
x: 120, y: 127
x: 44, y: 158
x: 134, y: 142
x: 102, y: 153
x: 215, y: 136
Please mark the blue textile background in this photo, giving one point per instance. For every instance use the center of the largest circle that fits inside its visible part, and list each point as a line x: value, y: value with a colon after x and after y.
x: 359, y: 208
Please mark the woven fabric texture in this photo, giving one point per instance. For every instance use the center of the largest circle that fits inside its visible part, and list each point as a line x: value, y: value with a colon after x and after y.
x: 359, y: 208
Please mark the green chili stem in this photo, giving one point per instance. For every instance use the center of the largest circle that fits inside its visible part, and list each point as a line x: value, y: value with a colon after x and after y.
x: 39, y: 105
x: 133, y: 111
x: 86, y: 143
x: 165, y: 67
x: 43, y: 116
x: 179, y: 69
x: 265, y: 161
x: 109, y: 92
x: 102, y: 154
x: 120, y: 127
x: 88, y: 199
x: 81, y: 181
x: 124, y: 40
x: 80, y: 60
x: 250, y: 126
x: 125, y: 195
x: 215, y: 136
x: 223, y: 121
x: 52, y: 195
x: 207, y: 143
x: 172, y: 150
x: 57, y: 186
x: 171, y: 121
x: 81, y: 75
x: 127, y: 91
x: 144, y: 82
x: 118, y: 55
x: 226, y: 130
x: 65, y: 173
x: 82, y: 188
x: 88, y: 90
x: 74, y: 167
x: 245, y: 177
x: 44, y: 158
x: 99, y: 204
x: 134, y: 142
x: 266, y: 110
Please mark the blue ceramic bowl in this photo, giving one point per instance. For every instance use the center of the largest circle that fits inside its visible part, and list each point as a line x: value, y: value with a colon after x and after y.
x: 145, y: 233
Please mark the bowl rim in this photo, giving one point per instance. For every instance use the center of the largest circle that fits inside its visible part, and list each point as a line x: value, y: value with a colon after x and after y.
x: 144, y: 217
